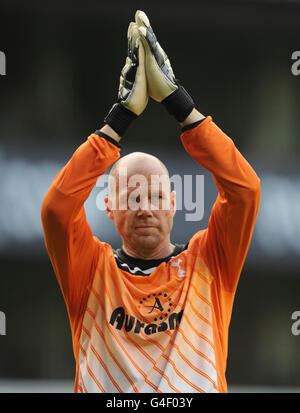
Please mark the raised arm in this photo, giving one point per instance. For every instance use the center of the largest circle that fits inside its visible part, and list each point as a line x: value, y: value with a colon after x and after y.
x: 233, y: 216
x: 68, y: 237
x: 225, y: 242
x: 69, y: 240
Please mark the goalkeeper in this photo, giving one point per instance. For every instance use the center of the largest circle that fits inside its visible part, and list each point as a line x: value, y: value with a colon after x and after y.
x: 152, y: 315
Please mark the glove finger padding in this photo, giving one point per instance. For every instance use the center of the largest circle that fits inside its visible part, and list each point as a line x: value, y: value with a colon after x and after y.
x: 160, y: 76
x: 162, y: 85
x: 133, y: 83
x: 132, y: 93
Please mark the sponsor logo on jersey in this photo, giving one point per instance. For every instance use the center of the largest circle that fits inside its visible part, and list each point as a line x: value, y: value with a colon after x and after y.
x: 159, y: 304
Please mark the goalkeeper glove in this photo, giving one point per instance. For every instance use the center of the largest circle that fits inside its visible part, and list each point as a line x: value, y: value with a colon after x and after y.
x: 132, y: 94
x: 162, y: 85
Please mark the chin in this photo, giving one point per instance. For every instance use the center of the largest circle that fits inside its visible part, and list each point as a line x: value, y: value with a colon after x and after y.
x: 147, y: 241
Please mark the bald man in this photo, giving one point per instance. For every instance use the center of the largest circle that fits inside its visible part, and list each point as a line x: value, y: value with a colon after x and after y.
x: 144, y: 230
x: 153, y: 315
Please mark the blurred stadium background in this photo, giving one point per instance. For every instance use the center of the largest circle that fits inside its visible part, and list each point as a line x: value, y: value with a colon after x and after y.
x: 62, y: 74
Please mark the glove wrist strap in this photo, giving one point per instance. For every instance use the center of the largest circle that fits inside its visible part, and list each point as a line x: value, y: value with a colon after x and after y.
x: 179, y: 104
x: 119, y: 118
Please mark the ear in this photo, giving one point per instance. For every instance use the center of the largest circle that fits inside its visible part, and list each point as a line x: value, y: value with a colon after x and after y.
x: 173, y: 202
x: 109, y: 210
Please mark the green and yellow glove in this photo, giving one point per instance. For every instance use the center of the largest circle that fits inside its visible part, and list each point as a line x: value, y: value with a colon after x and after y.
x: 132, y: 94
x: 162, y: 84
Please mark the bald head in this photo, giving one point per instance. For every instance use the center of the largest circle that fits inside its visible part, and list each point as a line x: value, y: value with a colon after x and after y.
x: 138, y: 161
x: 136, y: 164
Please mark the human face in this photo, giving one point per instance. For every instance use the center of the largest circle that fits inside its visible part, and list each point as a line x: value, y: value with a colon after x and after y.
x: 144, y: 206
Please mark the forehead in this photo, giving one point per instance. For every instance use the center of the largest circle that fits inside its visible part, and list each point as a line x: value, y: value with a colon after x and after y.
x: 147, y: 173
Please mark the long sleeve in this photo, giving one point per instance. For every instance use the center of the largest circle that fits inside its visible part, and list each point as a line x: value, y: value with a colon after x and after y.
x: 71, y: 246
x: 227, y: 238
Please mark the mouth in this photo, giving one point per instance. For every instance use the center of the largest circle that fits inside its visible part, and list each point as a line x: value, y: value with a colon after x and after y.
x: 144, y: 226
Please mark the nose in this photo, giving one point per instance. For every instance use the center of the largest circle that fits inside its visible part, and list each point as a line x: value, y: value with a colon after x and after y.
x: 144, y: 207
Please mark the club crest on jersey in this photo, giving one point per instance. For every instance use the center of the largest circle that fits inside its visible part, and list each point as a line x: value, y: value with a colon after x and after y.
x: 180, y: 273
x: 158, y: 307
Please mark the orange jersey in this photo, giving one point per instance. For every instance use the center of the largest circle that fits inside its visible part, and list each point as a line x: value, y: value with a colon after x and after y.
x: 166, y: 331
